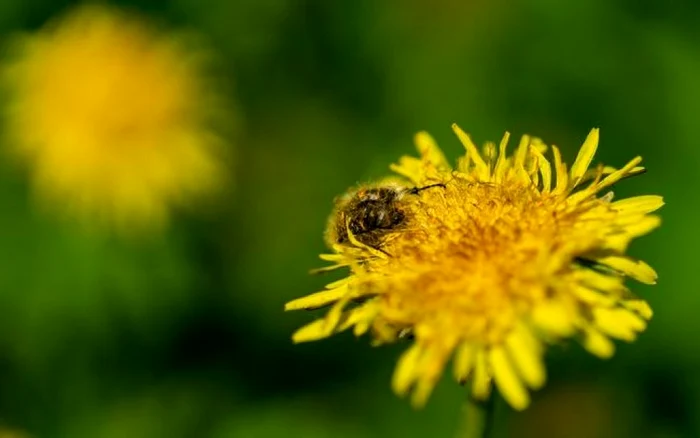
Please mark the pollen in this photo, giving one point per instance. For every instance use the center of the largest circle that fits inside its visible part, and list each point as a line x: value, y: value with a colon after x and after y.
x: 113, y: 119
x: 509, y: 254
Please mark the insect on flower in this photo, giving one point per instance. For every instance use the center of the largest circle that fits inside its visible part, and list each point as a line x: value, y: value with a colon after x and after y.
x: 367, y: 214
x: 512, y: 253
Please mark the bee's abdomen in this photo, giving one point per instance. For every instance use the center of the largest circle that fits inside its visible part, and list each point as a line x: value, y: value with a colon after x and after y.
x: 369, y: 220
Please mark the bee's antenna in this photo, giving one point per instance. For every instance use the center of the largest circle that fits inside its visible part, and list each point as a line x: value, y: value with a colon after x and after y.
x: 416, y: 190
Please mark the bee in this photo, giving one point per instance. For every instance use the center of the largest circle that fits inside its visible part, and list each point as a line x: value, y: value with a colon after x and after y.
x: 371, y: 212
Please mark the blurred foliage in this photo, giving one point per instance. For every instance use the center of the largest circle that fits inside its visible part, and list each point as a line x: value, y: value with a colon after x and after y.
x: 183, y: 335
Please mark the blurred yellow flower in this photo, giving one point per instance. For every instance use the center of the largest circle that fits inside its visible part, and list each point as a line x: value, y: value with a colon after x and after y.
x: 486, y: 264
x: 113, y: 119
x: 11, y: 433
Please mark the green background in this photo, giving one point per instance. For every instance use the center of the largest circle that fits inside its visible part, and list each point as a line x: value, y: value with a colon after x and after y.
x: 184, y: 335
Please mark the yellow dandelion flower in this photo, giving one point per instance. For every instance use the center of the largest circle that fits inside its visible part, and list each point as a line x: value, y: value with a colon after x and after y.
x: 486, y: 264
x: 113, y: 118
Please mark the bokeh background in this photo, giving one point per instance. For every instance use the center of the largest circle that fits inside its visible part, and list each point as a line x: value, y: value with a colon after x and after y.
x: 183, y: 334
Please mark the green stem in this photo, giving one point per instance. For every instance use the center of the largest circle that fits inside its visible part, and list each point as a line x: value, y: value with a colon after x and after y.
x: 477, y: 417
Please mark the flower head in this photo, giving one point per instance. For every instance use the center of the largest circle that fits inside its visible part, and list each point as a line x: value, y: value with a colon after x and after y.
x: 113, y: 118
x: 486, y: 264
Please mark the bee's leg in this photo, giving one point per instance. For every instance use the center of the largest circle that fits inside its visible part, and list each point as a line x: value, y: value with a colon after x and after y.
x: 379, y: 249
x: 351, y: 237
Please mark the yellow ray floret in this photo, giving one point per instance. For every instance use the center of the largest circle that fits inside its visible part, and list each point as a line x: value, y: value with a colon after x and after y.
x: 504, y: 255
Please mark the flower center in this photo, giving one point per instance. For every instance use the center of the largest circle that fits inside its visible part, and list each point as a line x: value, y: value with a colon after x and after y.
x: 474, y: 256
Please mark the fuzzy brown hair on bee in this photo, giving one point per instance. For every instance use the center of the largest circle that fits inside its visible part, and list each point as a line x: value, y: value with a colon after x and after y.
x: 369, y: 213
